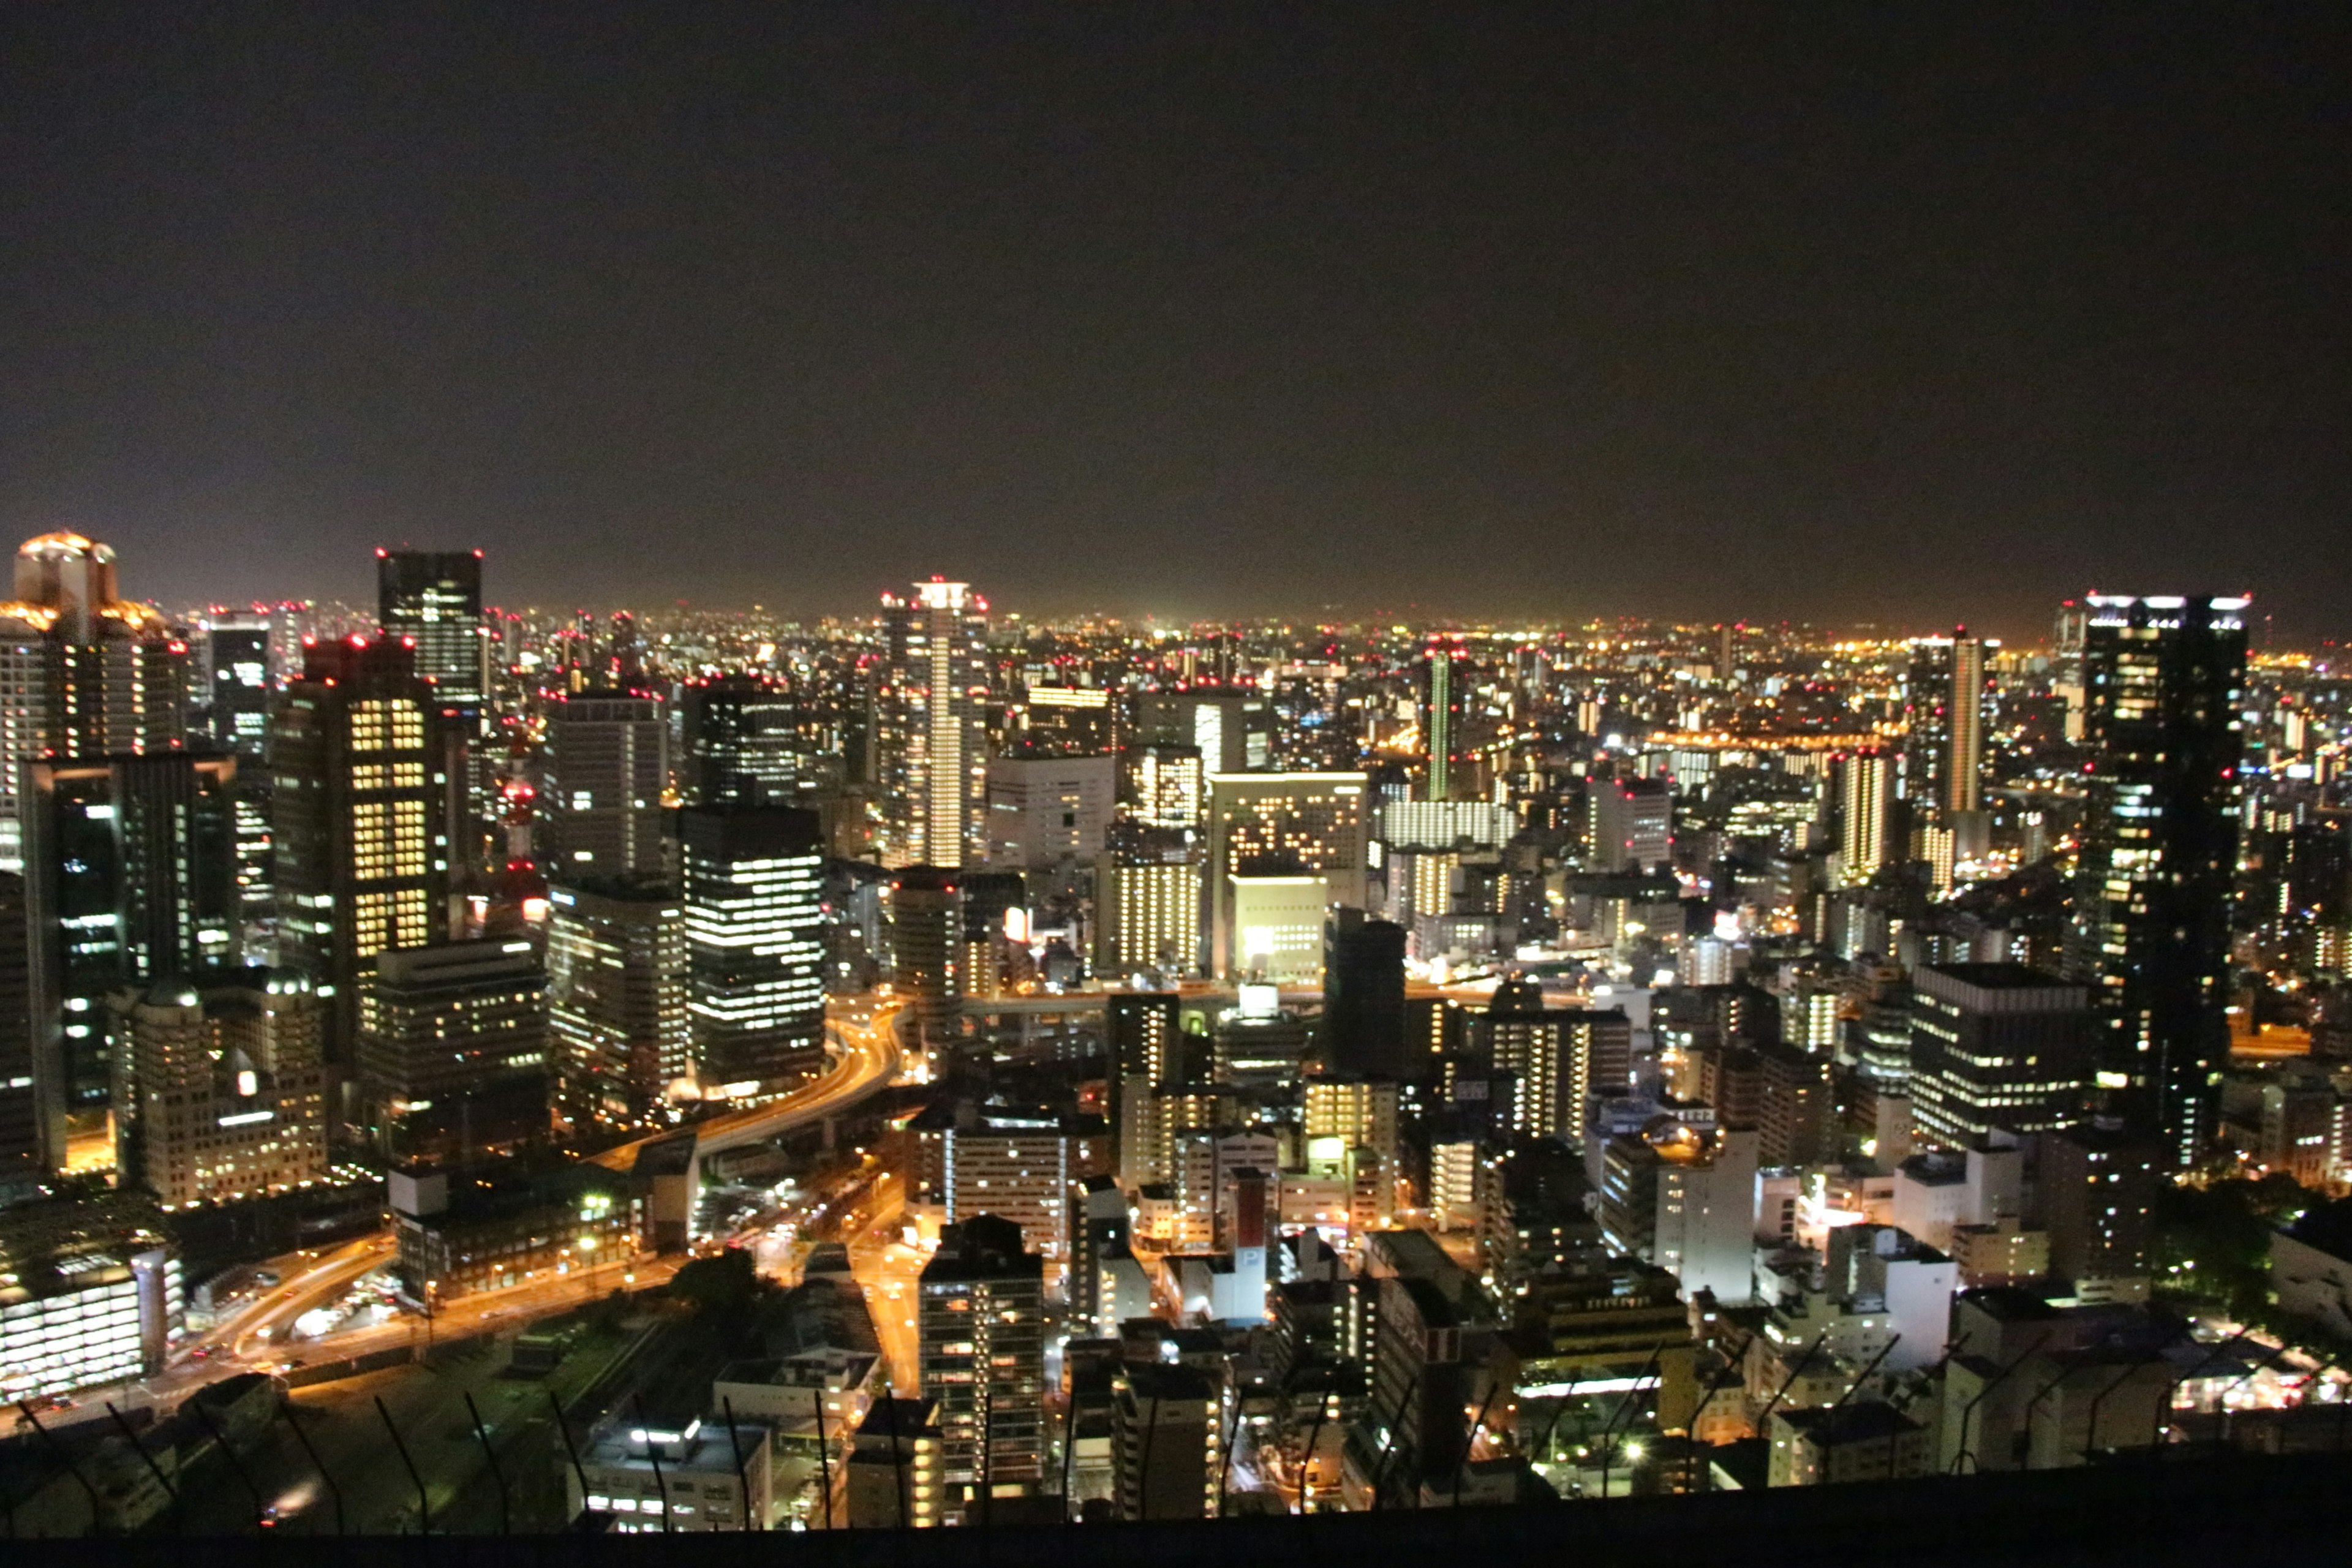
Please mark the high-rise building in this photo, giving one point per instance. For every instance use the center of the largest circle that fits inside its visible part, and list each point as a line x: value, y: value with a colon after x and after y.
x: 83, y: 672
x: 96, y: 1294
x: 1555, y: 1057
x: 2095, y: 1195
x: 1232, y: 731
x: 1996, y: 1045
x: 607, y: 765
x: 2163, y: 678
x: 980, y: 1314
x: 617, y: 997
x: 130, y: 879
x: 1441, y: 708
x: 453, y: 1051
x: 1363, y: 998
x: 434, y: 599
x: 935, y: 782
x: 1046, y: 812
x: 1022, y: 1163
x: 741, y: 740
x: 926, y: 910
x: 222, y: 1092
x: 1163, y: 785
x: 1283, y: 825
x: 32, y: 1112
x: 1964, y: 724
x: 1866, y: 808
x: 358, y: 786
x: 1147, y: 901
x: 1633, y: 825
x: 237, y: 682
x: 1167, y: 1442
x: 755, y: 944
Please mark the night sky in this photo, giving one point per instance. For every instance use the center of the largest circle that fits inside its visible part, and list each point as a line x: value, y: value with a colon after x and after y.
x: 1917, y: 311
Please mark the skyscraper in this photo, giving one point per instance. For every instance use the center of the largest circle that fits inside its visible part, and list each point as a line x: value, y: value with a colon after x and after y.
x: 32, y: 1121
x: 1865, y: 802
x: 608, y: 763
x: 617, y: 995
x: 433, y: 598
x: 2151, y: 935
x: 1996, y: 1045
x: 742, y: 746
x: 131, y: 874
x: 1441, y: 713
x: 935, y: 782
x: 755, y: 944
x: 1633, y: 825
x: 453, y: 1051
x: 83, y: 672
x: 1363, y: 998
x: 362, y: 853
x: 236, y: 686
x: 1964, y: 725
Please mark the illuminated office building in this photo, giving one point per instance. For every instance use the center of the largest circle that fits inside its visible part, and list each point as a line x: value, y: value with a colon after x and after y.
x: 743, y: 742
x: 1633, y: 825
x: 1284, y: 825
x: 32, y: 1115
x: 1069, y: 721
x: 92, y: 1292
x: 1147, y: 902
x: 453, y: 1051
x: 358, y: 788
x: 607, y: 765
x: 223, y: 1093
x: 83, y: 671
x: 434, y: 599
x: 755, y: 945
x: 1232, y: 729
x: 1163, y: 786
x: 131, y: 878
x: 935, y: 756
x: 1441, y: 708
x: 236, y: 680
x: 1996, y: 1045
x: 2163, y: 678
x: 1046, y: 812
x: 619, y: 1029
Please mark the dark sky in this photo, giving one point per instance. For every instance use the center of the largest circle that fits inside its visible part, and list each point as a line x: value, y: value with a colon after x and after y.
x: 1929, y: 311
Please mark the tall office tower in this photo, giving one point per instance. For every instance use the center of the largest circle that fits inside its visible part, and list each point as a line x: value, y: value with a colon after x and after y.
x: 453, y: 1051
x: 980, y: 1310
x: 130, y: 876
x: 1147, y: 901
x: 32, y: 1122
x: 936, y: 773
x: 755, y: 945
x: 224, y: 1094
x: 607, y: 765
x: 83, y: 673
x: 1866, y: 802
x: 1440, y: 709
x: 1633, y: 825
x: 1143, y: 1043
x: 1964, y: 729
x: 925, y: 907
x: 1927, y: 684
x: 1556, y: 1058
x: 358, y: 786
x: 1232, y: 731
x: 1163, y: 786
x: 1996, y: 1045
x: 742, y: 744
x: 619, y: 1031
x: 2163, y: 680
x: 1363, y: 998
x: 433, y: 598
x: 1283, y: 824
x: 235, y: 679
x: 1046, y: 812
